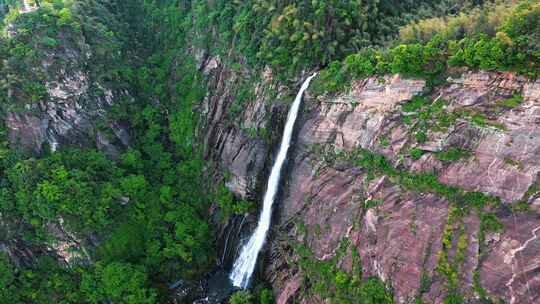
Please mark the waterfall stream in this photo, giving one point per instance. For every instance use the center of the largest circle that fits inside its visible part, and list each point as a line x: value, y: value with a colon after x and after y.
x: 245, y: 264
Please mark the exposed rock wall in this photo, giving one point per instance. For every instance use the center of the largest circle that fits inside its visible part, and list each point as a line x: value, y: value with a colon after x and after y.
x: 505, y: 162
x: 400, y: 239
x: 239, y: 141
x: 76, y: 103
x: 239, y: 137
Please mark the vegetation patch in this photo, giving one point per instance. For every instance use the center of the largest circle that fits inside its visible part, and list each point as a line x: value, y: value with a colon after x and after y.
x: 420, y: 182
x: 514, y: 163
x: 416, y: 103
x: 452, y: 154
x: 512, y: 102
x: 368, y: 204
x: 328, y: 282
x: 416, y: 153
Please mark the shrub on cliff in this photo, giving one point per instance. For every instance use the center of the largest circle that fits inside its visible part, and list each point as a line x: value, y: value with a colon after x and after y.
x: 417, y: 60
x: 241, y: 297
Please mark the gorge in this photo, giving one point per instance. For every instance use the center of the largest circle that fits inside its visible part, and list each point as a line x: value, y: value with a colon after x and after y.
x: 182, y: 151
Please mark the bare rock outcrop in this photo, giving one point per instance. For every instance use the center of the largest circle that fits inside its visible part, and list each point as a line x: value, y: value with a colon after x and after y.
x: 239, y: 132
x: 365, y: 107
x: 399, y: 239
x: 505, y: 161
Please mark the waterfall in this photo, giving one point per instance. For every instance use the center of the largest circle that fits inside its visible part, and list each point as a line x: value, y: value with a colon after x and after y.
x: 245, y: 264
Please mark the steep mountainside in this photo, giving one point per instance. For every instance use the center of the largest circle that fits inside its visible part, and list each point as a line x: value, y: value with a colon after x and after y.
x: 57, y: 86
x: 407, y: 224
x: 406, y: 227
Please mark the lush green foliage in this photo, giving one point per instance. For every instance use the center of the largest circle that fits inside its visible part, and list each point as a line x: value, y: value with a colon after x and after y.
x: 7, y: 276
x: 241, y: 297
x: 143, y: 218
x: 46, y: 282
x: 294, y: 35
x: 266, y: 296
x: 517, y: 39
x: 411, y: 60
x: 72, y: 185
x: 316, y: 32
x: 485, y: 19
x: 118, y: 283
x: 515, y: 48
x: 327, y: 281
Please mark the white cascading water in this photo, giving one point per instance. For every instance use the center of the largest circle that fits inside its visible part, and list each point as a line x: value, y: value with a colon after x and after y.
x: 245, y: 264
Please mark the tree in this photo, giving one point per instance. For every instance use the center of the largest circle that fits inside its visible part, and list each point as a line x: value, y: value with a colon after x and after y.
x: 7, y: 278
x: 118, y: 283
x: 267, y: 297
x: 241, y: 297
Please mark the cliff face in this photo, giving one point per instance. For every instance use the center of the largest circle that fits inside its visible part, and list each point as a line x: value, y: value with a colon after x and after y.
x: 239, y: 134
x: 69, y: 115
x: 400, y: 239
x: 78, y: 87
x: 58, y: 94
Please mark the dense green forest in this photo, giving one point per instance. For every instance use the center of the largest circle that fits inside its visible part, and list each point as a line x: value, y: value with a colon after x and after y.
x: 162, y: 231
x: 501, y: 37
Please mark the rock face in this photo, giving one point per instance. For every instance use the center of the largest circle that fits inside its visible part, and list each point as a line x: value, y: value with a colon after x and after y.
x: 238, y: 135
x: 506, y: 161
x: 400, y: 239
x: 74, y: 107
x: 238, y: 132
x: 65, y: 121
